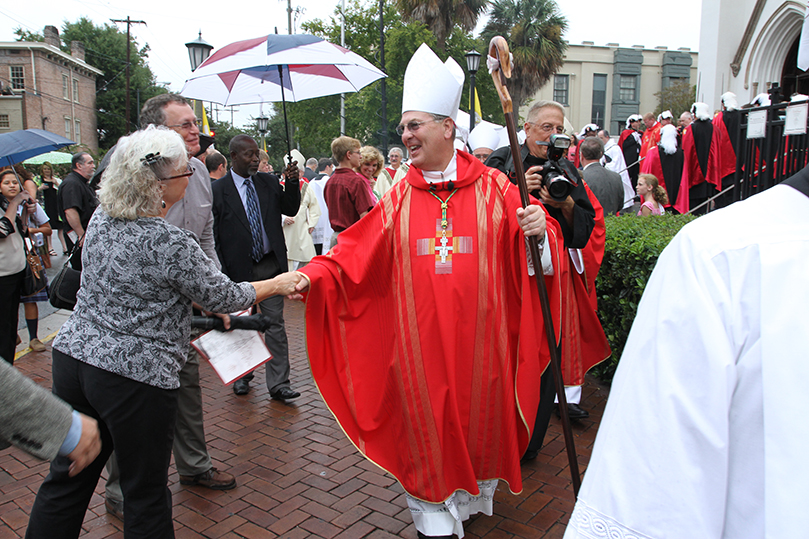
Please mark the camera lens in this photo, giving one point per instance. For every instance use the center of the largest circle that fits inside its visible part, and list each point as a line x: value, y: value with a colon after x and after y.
x: 558, y: 187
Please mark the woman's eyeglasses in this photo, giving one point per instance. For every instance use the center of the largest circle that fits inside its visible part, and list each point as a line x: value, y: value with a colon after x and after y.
x: 188, y: 172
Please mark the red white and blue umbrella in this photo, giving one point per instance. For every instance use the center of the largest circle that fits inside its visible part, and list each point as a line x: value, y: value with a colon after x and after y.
x: 279, y: 68
x: 251, y: 71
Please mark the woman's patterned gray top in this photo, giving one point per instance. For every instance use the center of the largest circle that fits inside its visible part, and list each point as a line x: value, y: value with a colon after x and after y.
x: 133, y: 313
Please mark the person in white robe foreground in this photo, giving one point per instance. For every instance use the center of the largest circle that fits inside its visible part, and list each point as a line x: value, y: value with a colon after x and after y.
x: 697, y: 438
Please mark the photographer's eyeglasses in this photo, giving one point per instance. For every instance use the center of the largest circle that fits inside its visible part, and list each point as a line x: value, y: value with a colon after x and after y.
x: 547, y: 128
x: 186, y: 126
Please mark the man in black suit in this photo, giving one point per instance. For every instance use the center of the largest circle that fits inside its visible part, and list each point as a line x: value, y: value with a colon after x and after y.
x: 247, y: 209
x: 605, y: 184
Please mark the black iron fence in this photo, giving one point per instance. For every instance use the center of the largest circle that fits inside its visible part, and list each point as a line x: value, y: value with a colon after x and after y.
x: 768, y: 160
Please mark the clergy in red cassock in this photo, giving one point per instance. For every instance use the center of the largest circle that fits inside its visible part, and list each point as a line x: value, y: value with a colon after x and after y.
x: 583, y: 344
x: 444, y: 396
x: 651, y: 136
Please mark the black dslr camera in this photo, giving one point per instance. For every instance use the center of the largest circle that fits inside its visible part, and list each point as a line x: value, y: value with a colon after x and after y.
x: 554, y: 176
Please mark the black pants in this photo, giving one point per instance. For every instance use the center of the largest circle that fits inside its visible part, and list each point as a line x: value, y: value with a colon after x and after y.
x: 138, y: 421
x: 10, y: 286
x: 277, y: 369
x: 547, y: 392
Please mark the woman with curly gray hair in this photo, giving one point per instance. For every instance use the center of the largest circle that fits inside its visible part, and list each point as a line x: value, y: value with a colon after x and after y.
x: 118, y: 356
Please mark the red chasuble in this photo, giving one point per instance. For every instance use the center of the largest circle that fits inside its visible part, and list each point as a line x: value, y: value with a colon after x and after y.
x: 584, y: 344
x: 650, y: 139
x: 429, y: 352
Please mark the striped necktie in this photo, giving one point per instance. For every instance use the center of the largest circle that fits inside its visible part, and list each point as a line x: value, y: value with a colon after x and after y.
x: 254, y: 216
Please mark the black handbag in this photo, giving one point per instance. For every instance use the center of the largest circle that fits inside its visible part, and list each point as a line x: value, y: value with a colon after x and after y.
x: 34, y: 281
x: 66, y: 285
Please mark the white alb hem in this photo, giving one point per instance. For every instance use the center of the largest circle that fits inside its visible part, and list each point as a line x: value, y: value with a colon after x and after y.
x: 587, y: 523
x: 447, y: 518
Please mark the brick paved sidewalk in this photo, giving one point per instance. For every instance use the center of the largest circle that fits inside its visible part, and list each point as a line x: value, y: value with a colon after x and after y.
x: 298, y: 474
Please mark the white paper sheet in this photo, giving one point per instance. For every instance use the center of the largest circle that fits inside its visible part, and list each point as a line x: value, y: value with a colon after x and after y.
x: 233, y: 354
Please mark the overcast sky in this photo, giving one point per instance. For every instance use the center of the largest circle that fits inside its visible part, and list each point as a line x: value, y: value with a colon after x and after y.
x: 169, y: 27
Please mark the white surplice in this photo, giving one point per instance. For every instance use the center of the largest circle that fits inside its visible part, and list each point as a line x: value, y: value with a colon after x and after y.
x: 300, y: 246
x: 702, y: 436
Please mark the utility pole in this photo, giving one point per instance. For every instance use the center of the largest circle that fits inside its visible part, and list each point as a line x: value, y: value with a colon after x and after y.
x: 343, y: 44
x: 129, y: 22
x: 289, y: 16
x: 383, y: 87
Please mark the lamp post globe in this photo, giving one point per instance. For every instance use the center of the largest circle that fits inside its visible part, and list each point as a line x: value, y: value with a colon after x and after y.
x: 261, y: 124
x: 472, y: 65
x: 198, y: 51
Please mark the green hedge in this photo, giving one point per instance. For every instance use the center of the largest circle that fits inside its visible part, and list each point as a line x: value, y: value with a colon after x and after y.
x: 632, y: 247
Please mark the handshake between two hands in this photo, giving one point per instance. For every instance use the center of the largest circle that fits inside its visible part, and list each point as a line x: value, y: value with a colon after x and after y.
x: 291, y: 284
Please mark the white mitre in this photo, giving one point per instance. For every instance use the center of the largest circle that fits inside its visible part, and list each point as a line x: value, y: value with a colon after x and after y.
x: 504, y: 140
x: 484, y: 136
x: 296, y: 156
x: 430, y: 85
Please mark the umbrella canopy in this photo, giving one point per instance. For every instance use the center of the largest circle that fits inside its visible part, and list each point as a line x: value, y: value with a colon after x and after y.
x: 248, y: 71
x: 54, y: 158
x: 20, y: 145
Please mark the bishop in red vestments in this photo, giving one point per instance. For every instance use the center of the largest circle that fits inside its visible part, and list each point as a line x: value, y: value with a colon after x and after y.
x: 444, y: 395
x: 445, y: 392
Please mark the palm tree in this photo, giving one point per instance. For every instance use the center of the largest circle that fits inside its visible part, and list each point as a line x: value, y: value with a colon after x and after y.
x: 441, y: 16
x: 533, y: 30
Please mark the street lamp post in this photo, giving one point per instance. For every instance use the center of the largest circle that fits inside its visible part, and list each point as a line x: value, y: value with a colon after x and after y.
x: 261, y: 124
x: 472, y: 64
x: 198, y: 52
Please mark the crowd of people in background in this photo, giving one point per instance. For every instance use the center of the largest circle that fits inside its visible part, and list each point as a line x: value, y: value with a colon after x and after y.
x: 687, y: 163
x: 671, y: 154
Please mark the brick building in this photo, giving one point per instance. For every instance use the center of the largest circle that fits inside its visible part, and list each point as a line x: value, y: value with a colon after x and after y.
x: 45, y: 88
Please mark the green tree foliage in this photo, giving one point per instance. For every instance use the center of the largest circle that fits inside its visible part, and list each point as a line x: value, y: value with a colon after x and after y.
x: 633, y: 245
x: 223, y: 134
x: 27, y: 35
x: 533, y: 30
x: 443, y: 17
x: 317, y: 121
x: 677, y: 98
x: 105, y: 48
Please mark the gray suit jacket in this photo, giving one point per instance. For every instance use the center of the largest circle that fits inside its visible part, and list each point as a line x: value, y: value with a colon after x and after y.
x: 607, y: 186
x: 31, y: 418
x: 194, y: 212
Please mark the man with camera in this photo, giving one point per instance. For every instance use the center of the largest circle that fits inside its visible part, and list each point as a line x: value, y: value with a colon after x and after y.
x: 574, y: 212
x: 547, y: 172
